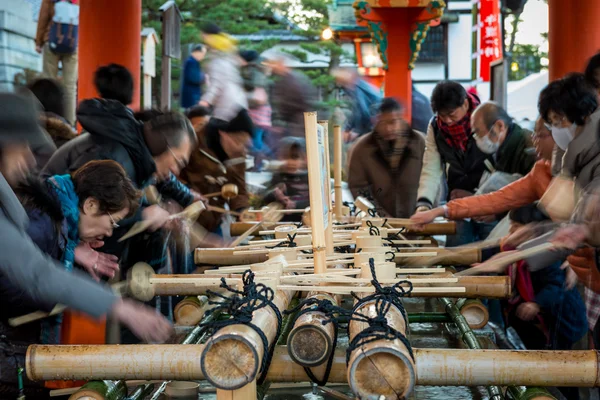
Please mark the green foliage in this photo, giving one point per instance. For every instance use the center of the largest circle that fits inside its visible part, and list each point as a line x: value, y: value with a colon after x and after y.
x: 528, y: 58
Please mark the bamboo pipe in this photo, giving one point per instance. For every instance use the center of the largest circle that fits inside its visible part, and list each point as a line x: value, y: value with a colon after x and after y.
x: 523, y: 393
x: 144, y: 284
x: 327, y: 187
x: 225, y: 256
x: 310, y: 342
x: 382, y: 367
x: 189, y: 311
x: 435, y: 228
x: 491, y: 287
x: 446, y: 256
x: 337, y: 171
x: 233, y: 355
x: 434, y: 367
x: 228, y: 191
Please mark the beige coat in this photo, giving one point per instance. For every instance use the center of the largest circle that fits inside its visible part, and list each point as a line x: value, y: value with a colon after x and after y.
x: 394, y: 194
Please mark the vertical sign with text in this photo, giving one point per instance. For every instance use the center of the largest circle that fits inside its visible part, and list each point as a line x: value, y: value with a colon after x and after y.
x: 490, y: 36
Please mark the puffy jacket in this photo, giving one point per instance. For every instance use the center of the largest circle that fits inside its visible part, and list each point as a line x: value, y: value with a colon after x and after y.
x: 225, y: 92
x: 525, y: 191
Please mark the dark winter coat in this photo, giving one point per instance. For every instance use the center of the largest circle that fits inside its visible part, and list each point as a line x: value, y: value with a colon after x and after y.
x: 193, y: 78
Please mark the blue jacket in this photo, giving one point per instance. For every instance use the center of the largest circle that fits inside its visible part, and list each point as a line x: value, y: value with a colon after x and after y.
x: 365, y: 98
x: 563, y: 310
x: 193, y: 78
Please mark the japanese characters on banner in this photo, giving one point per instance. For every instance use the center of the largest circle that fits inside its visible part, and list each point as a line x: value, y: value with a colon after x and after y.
x: 490, y: 36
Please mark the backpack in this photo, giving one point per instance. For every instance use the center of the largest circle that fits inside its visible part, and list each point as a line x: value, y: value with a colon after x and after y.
x: 64, y: 28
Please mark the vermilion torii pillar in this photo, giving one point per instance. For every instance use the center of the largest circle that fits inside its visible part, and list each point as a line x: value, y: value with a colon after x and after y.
x: 398, y: 27
x: 573, y: 35
x: 109, y: 32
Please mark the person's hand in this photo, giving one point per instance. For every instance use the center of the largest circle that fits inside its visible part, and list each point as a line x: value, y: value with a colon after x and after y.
x: 198, y: 197
x: 422, y: 209
x: 204, y: 103
x: 97, y: 264
x: 425, y: 217
x: 485, y: 219
x: 521, y: 235
x: 570, y: 236
x: 38, y: 49
x: 570, y: 276
x: 527, y: 311
x: 459, y: 194
x: 157, y: 216
x: 144, y: 322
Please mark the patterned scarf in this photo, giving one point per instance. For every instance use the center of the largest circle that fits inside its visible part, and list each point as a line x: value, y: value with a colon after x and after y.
x: 458, y: 134
x: 392, y: 151
x: 69, y: 204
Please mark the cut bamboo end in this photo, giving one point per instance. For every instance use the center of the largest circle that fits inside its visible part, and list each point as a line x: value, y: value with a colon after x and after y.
x: 101, y: 390
x: 383, y: 367
x: 475, y: 313
x: 189, y: 311
x: 230, y: 361
x: 310, y: 342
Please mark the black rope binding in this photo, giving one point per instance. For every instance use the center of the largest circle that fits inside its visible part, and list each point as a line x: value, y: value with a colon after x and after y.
x: 373, y: 230
x: 286, y: 243
x: 241, y: 305
x: 385, y: 298
x: 325, y: 306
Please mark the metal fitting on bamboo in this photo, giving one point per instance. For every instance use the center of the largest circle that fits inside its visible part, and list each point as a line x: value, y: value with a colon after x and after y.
x: 310, y: 342
x: 382, y: 367
x: 189, y: 311
x: 225, y: 256
x: 445, y: 256
x: 233, y: 355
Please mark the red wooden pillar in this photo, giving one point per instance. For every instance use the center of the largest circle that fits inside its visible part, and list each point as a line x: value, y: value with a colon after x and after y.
x: 573, y: 35
x: 109, y: 32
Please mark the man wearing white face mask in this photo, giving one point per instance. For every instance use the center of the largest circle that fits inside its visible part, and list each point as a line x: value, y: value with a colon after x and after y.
x: 507, y: 142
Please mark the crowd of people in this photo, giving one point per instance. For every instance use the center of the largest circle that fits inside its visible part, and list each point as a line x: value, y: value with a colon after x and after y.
x: 66, y: 199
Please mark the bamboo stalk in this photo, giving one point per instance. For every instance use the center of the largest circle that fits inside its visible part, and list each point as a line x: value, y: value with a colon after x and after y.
x: 445, y: 256
x: 101, y: 390
x: 523, y: 393
x: 225, y: 256
x: 337, y: 170
x: 233, y: 355
x: 434, y: 367
x: 381, y: 368
x: 311, y: 342
x: 416, y: 292
x: 190, y: 311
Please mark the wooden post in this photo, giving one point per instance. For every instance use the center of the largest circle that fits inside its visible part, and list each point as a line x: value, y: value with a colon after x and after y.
x: 329, y: 230
x: 317, y: 175
x: 310, y: 342
x: 382, y: 367
x: 248, y: 392
x: 337, y: 170
x: 233, y: 355
x: 171, y: 22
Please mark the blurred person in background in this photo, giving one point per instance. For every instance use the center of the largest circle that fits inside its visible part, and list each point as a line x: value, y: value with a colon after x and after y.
x: 193, y: 78
x: 364, y: 98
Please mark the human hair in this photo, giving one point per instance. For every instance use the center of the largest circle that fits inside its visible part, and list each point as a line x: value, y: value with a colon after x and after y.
x: 447, y: 96
x: 389, y: 104
x: 198, y: 47
x: 571, y: 96
x: 492, y: 112
x: 197, y: 112
x: 168, y: 130
x: 592, y: 66
x: 50, y: 94
x: 147, y: 114
x: 107, y: 182
x: 114, y: 82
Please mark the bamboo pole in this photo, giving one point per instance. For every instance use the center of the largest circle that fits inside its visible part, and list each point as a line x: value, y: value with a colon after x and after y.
x: 435, y: 228
x: 225, y: 256
x: 382, y: 367
x: 189, y: 311
x: 434, y: 367
x: 233, y: 355
x: 523, y: 393
x: 329, y: 226
x: 101, y: 390
x: 445, y: 256
x: 311, y: 342
x: 337, y: 171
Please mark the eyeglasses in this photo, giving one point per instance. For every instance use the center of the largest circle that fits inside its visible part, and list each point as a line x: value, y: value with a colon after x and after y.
x: 112, y: 221
x: 180, y: 163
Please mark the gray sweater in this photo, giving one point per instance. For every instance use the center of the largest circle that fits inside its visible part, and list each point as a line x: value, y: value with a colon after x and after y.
x: 39, y: 276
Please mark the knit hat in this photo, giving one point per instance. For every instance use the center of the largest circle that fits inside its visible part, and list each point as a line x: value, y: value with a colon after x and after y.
x: 211, y: 28
x: 19, y: 121
x: 249, y: 55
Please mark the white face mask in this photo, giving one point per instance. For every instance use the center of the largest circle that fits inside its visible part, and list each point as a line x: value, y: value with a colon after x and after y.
x: 563, y: 136
x: 486, y: 145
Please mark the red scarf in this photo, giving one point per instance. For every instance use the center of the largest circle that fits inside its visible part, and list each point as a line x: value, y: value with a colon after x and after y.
x: 458, y: 134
